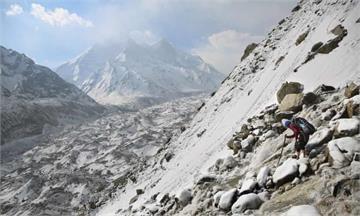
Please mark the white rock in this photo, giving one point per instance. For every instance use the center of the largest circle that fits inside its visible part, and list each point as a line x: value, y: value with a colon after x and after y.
x: 248, y: 185
x: 318, y: 138
x: 342, y: 150
x: 262, y: 175
x: 217, y: 197
x: 247, y: 201
x: 153, y: 208
x: 184, y: 197
x: 257, y: 132
x: 287, y: 170
x: 303, y: 165
x: 302, y: 210
x: 347, y: 127
x: 227, y: 199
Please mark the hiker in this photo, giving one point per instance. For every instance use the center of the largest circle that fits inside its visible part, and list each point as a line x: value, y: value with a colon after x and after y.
x: 302, y: 129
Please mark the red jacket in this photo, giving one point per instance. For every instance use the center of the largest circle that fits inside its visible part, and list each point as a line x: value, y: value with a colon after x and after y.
x: 296, y: 131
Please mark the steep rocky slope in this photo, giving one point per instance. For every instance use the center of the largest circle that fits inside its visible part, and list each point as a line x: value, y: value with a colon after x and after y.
x: 34, y: 99
x: 79, y: 169
x: 139, y: 75
x: 290, y: 52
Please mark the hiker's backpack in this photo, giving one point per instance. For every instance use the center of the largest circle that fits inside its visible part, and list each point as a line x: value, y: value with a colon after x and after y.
x: 305, y: 126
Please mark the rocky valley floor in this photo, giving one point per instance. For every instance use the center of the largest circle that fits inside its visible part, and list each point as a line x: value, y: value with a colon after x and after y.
x: 77, y: 170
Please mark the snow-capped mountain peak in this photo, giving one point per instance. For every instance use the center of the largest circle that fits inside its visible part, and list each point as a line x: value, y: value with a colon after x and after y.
x: 130, y: 73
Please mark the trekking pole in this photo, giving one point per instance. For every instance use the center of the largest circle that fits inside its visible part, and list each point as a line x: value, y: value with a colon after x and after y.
x: 282, y: 148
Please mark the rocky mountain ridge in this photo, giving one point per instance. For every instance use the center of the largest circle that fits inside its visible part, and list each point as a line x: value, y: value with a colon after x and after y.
x: 286, y: 54
x: 34, y: 98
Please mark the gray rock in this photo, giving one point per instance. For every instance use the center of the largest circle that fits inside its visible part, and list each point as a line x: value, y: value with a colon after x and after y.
x: 184, y: 197
x: 347, y: 127
x: 248, y: 186
x: 262, y: 176
x: 319, y: 138
x: 342, y: 150
x: 227, y: 199
x: 286, y: 172
x: 217, y: 197
x: 247, y: 201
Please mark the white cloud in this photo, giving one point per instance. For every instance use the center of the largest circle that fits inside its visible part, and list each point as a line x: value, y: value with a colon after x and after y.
x: 58, y: 16
x: 224, y: 49
x: 14, y: 10
x: 144, y: 37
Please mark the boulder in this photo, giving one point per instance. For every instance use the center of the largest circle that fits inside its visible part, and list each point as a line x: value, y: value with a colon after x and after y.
x: 247, y: 144
x: 247, y: 201
x: 310, y: 98
x: 347, y: 127
x: 342, y: 150
x: 302, y: 210
x: 292, y: 102
x: 319, y: 138
x: 262, y: 176
x: 351, y: 90
x: 227, y: 199
x: 288, y: 88
x: 286, y: 172
x: 217, y: 197
x: 248, y: 186
x: 184, y: 197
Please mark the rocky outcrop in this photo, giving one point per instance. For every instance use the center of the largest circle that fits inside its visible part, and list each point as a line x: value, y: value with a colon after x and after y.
x: 249, y: 48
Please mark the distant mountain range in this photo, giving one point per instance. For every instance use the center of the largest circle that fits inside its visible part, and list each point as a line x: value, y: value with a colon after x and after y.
x: 33, y: 96
x: 139, y: 75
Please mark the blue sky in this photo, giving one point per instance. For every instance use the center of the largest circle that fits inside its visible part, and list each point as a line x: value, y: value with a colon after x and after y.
x: 52, y: 32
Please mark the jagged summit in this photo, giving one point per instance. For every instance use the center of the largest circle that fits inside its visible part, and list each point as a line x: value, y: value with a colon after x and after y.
x: 130, y: 73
